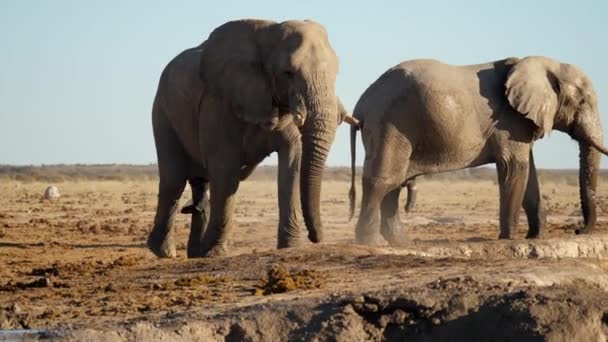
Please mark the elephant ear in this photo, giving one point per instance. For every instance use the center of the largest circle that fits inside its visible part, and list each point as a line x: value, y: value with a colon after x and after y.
x: 232, y: 69
x: 530, y: 90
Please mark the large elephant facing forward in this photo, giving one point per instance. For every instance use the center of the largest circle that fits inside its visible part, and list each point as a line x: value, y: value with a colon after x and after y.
x: 253, y: 87
x: 423, y: 116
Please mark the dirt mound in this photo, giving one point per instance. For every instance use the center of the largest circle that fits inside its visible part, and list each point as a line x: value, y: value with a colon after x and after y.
x: 280, y: 280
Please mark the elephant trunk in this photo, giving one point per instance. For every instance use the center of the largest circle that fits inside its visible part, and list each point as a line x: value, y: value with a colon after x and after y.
x: 590, y: 136
x: 317, y: 137
x: 588, y: 175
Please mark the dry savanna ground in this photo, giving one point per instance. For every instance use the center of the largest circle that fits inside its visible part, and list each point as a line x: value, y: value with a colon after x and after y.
x: 77, y: 268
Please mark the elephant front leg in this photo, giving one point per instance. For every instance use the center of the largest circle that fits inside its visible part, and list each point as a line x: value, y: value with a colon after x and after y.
x: 224, y: 183
x: 533, y: 204
x: 161, y: 239
x: 290, y: 210
x: 200, y: 213
x: 512, y: 180
x: 390, y: 224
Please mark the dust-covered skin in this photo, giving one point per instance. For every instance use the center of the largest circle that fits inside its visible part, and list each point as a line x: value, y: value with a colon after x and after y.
x: 80, y: 261
x: 425, y: 117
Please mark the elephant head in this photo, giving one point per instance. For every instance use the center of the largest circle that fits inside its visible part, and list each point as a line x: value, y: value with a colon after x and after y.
x: 560, y: 96
x: 262, y: 70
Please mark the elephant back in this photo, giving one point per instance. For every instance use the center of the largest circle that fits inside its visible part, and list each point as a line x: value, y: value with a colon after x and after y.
x: 179, y: 97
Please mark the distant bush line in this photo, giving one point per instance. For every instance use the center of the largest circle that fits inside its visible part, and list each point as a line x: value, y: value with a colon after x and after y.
x: 126, y: 172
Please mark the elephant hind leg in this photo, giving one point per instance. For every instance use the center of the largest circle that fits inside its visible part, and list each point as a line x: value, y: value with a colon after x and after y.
x: 533, y: 204
x: 374, y: 192
x: 390, y: 224
x: 383, y: 173
x: 200, y: 214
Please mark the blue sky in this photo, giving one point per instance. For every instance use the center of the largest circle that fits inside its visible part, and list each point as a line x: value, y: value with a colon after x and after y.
x: 77, y: 78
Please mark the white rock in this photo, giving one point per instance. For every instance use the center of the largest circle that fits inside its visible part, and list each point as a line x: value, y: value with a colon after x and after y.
x: 51, y: 192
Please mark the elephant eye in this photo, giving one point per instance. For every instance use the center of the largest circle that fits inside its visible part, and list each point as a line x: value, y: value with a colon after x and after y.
x: 288, y: 74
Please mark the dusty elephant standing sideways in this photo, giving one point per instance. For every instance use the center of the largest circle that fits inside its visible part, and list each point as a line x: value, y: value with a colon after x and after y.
x: 253, y: 87
x: 441, y: 117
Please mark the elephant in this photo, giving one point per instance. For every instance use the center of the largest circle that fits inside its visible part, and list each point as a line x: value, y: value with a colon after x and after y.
x: 441, y: 117
x: 253, y: 87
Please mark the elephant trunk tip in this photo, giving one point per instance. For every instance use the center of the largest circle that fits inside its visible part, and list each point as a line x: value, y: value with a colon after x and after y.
x: 315, y: 236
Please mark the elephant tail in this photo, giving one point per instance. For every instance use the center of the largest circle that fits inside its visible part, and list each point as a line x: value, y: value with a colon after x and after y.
x: 352, y: 194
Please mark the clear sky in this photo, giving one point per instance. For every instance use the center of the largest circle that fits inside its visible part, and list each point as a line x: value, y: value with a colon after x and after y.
x: 77, y: 78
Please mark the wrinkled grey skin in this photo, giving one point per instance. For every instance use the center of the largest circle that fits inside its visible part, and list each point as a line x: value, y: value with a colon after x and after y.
x: 252, y: 88
x: 442, y: 117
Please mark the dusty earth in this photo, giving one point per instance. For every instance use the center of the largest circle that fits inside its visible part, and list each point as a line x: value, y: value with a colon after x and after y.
x: 76, y: 268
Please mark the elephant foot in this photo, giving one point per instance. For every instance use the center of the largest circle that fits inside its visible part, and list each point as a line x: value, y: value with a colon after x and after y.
x: 195, y: 253
x: 164, y: 248
x: 505, y: 236
x: 288, y: 243
x: 194, y: 250
x: 393, y: 233
x: 533, y: 235
x: 584, y: 230
x: 367, y: 239
x: 395, y: 240
x: 217, y: 251
x: 289, y: 236
x: 315, y: 237
x: 220, y: 249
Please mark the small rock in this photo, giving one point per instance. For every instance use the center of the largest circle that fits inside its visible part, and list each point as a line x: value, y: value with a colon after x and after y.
x: 51, y: 192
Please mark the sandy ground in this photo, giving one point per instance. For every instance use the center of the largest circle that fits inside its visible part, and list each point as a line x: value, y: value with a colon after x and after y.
x: 77, y: 268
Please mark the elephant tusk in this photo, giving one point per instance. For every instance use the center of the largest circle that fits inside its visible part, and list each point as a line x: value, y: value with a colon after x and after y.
x: 351, y: 120
x: 298, y: 119
x: 598, y: 147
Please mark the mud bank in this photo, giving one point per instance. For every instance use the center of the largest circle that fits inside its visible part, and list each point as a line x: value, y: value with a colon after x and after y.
x: 448, y: 310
